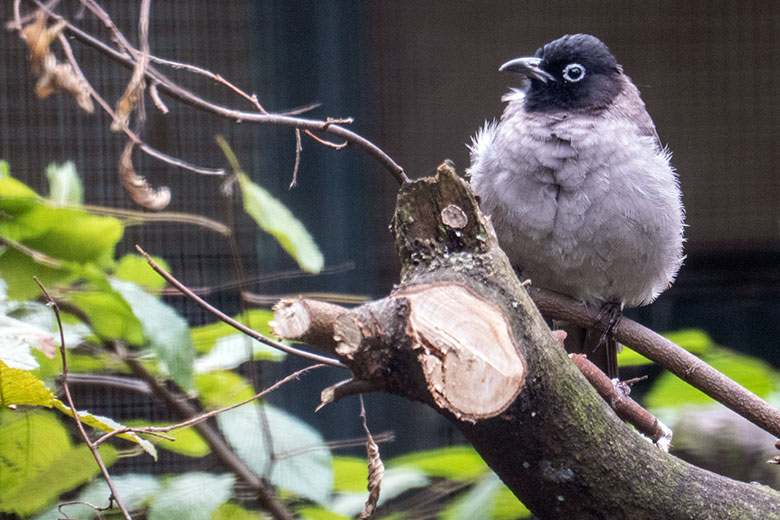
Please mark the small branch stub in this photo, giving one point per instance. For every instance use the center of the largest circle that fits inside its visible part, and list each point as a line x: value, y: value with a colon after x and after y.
x: 451, y: 326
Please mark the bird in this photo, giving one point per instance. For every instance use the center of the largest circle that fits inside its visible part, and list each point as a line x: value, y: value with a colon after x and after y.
x: 579, y: 189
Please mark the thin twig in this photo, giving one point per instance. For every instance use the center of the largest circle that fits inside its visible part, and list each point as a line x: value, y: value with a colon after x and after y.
x: 202, y: 417
x: 133, y: 217
x: 180, y: 163
x: 325, y: 142
x: 93, y: 447
x: 272, y: 277
x: 233, y: 323
x: 298, y: 150
x: 37, y: 256
x: 188, y: 97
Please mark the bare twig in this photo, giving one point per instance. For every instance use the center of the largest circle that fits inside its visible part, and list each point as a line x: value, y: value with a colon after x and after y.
x: 325, y: 142
x: 93, y: 447
x: 37, y: 256
x: 88, y: 504
x: 202, y: 417
x: 132, y: 217
x: 164, y: 84
x: 268, y: 299
x: 280, y: 275
x: 233, y: 323
x: 180, y: 163
x: 343, y: 389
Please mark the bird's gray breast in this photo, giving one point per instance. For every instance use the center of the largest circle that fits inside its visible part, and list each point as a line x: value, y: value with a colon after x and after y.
x: 584, y: 204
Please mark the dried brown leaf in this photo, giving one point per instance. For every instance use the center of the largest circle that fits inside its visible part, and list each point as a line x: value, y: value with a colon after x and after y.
x: 376, y: 469
x: 137, y: 187
x: 52, y: 75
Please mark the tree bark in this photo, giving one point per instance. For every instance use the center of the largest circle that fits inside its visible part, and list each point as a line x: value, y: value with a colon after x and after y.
x: 461, y: 334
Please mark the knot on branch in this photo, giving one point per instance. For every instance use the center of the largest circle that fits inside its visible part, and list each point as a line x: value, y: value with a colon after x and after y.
x: 437, y: 218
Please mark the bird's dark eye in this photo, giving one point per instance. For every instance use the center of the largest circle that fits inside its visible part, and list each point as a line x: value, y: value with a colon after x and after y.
x: 573, y: 72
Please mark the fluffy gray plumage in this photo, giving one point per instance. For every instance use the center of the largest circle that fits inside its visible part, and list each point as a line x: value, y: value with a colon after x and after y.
x: 579, y: 190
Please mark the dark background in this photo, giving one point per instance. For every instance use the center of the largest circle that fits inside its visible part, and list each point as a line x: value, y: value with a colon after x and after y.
x: 419, y: 78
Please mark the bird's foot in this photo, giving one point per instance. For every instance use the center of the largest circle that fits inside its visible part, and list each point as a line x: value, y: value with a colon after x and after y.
x: 607, y: 319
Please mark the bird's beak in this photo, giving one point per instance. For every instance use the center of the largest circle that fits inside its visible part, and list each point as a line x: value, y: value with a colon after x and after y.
x: 529, y: 67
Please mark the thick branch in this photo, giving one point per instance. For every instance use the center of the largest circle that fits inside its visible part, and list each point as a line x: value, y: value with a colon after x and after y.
x: 549, y: 436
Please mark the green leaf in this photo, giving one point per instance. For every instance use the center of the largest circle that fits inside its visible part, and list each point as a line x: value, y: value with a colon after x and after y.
x: 29, y: 442
x: 110, y: 315
x: 18, y: 270
x: 166, y: 331
x: 221, y: 388
x: 228, y: 511
x: 275, y: 219
x: 100, y: 361
x: 757, y: 376
x: 506, y: 506
x: 71, y: 236
x: 18, y: 387
x: 481, y: 501
x: 303, y: 463
x: 350, y: 474
x: 65, y: 187
x: 50, y: 465
x: 134, y: 268
x: 460, y: 463
x: 191, y: 496
x: 106, y: 424
x: 11, y: 189
x: 318, y: 513
x: 188, y: 441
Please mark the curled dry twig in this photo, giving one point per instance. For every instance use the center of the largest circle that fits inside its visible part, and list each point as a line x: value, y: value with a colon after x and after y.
x: 376, y: 468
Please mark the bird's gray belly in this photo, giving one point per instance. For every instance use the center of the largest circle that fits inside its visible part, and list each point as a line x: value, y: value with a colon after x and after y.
x: 588, y: 236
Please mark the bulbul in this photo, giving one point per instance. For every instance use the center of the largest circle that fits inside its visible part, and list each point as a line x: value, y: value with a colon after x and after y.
x: 579, y: 189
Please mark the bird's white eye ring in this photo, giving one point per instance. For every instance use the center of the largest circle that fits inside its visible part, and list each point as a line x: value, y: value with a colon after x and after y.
x: 573, y: 72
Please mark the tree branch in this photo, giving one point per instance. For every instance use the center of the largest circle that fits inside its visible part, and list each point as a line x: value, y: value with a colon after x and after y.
x: 507, y: 383
x: 677, y: 360
x: 164, y: 84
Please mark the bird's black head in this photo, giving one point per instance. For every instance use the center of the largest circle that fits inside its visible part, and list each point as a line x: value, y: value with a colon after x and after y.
x: 573, y: 72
